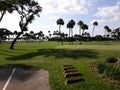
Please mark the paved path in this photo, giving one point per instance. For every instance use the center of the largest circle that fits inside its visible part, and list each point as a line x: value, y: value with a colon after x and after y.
x: 24, y: 79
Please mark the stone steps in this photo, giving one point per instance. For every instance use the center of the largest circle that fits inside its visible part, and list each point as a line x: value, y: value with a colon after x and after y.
x: 71, y: 74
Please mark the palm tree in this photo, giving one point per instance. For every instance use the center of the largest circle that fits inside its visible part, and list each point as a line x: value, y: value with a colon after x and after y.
x: 94, y: 24
x: 60, y: 22
x: 32, y: 32
x: 41, y: 35
x: 107, y: 29
x: 49, y: 34
x: 70, y: 25
x: 84, y: 26
x: 80, y: 23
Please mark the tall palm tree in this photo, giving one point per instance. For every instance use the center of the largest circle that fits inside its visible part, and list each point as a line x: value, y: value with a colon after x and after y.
x: 80, y: 23
x: 94, y: 24
x: 60, y: 22
x: 70, y: 25
x: 84, y: 26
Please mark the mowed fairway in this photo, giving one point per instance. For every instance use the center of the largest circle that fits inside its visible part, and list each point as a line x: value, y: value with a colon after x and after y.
x: 95, y: 47
x: 52, y: 55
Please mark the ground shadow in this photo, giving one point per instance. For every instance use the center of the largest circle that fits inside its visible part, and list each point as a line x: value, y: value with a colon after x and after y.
x: 58, y: 54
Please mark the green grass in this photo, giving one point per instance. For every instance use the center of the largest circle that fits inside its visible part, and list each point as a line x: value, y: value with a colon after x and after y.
x: 52, y: 55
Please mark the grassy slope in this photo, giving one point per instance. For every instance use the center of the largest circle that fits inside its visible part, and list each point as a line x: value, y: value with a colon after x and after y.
x: 51, y: 56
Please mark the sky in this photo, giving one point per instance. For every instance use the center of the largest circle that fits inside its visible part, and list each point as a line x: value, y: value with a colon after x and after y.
x: 105, y: 12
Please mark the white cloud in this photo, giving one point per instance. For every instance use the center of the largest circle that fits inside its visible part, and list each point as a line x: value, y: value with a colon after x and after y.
x: 54, y: 18
x: 10, y: 21
x: 118, y: 3
x: 108, y: 11
x: 109, y: 15
x: 64, y: 6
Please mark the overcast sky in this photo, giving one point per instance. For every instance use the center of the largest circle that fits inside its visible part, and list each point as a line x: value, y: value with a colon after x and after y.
x: 106, y: 12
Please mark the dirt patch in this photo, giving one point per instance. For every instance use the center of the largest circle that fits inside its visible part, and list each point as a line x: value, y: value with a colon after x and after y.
x: 26, y: 79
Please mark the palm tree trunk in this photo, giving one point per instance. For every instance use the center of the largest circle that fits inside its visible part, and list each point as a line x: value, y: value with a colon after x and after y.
x: 93, y: 30
x: 82, y: 32
x: 69, y: 36
x: 69, y: 32
x: 79, y: 31
x: 59, y: 28
x: 105, y: 33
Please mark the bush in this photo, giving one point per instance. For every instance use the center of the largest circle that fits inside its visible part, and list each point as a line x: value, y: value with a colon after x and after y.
x: 101, y: 67
x: 112, y: 72
x: 111, y: 60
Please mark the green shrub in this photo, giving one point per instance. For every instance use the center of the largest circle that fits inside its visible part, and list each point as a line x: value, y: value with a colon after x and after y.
x: 101, y: 67
x: 111, y: 60
x: 112, y: 72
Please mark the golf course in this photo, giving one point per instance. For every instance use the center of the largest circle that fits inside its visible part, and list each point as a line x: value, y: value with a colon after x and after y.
x: 51, y: 56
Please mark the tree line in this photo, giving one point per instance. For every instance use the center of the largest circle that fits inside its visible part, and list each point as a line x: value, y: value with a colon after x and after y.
x: 7, y: 35
x: 84, y: 36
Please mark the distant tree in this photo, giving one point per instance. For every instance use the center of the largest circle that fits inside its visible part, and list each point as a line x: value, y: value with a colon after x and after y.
x: 49, y: 34
x: 4, y: 34
x: 49, y: 31
x: 84, y: 26
x: 70, y: 25
x: 27, y: 9
x: 94, y: 24
x: 31, y: 32
x: 86, y: 34
x: 8, y: 33
x: 40, y: 35
x: 80, y: 23
x: 107, y: 29
x: 26, y: 36
x: 116, y: 34
x: 60, y: 22
x: 98, y: 38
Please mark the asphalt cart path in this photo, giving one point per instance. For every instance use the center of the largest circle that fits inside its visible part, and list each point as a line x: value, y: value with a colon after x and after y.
x: 23, y: 79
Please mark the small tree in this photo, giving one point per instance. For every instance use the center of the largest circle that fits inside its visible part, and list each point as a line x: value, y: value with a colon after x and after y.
x: 27, y: 9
